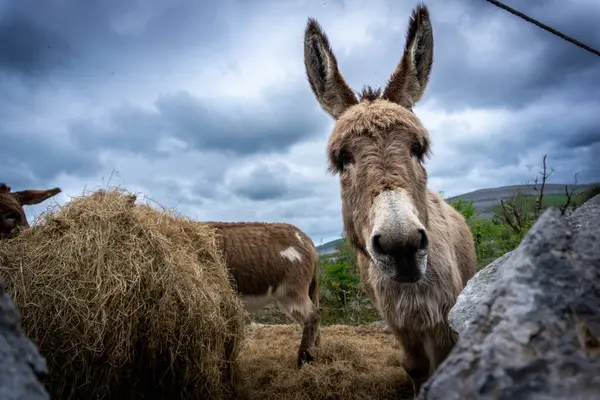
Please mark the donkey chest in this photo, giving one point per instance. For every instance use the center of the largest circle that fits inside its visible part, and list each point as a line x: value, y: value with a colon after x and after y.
x: 412, y: 306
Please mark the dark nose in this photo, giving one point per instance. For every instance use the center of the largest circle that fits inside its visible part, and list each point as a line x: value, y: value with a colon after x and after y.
x: 399, y: 244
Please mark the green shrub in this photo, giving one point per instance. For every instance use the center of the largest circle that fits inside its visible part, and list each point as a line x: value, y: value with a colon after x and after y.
x: 493, y: 237
x: 342, y: 297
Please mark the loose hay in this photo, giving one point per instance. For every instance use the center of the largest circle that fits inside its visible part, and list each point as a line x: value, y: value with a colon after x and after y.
x: 125, y: 301
x: 353, y: 362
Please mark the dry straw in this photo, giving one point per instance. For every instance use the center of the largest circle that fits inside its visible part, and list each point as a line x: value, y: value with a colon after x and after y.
x: 125, y: 301
x: 353, y: 363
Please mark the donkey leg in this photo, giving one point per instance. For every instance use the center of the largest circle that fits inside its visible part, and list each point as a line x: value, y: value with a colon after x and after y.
x: 317, y: 341
x: 443, y: 339
x: 302, y: 310
x: 417, y: 362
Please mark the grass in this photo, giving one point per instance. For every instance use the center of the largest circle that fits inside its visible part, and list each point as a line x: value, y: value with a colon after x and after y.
x: 358, y: 312
x: 555, y: 200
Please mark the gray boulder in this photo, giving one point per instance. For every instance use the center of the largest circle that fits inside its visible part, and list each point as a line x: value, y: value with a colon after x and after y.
x: 473, y: 294
x: 21, y: 364
x: 585, y: 217
x: 536, y: 332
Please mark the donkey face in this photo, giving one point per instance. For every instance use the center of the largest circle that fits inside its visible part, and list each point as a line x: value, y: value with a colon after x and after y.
x: 12, y: 215
x: 377, y: 148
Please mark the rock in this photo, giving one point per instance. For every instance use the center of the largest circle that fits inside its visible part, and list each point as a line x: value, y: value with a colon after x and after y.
x: 473, y: 293
x: 21, y: 364
x: 536, y: 333
x: 586, y: 216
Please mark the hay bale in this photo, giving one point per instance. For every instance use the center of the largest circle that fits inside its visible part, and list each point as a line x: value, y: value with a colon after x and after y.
x: 125, y: 301
x: 354, y: 362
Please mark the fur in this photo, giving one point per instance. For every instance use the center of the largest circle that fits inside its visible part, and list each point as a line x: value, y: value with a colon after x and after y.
x: 274, y: 262
x: 12, y: 214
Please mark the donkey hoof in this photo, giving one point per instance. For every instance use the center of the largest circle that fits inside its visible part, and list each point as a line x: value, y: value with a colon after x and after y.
x: 304, y: 357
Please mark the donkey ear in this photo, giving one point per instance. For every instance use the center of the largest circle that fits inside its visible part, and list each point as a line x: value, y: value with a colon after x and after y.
x: 409, y: 80
x: 30, y: 197
x: 326, y: 82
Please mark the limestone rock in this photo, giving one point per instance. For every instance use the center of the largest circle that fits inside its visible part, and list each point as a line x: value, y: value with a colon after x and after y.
x: 21, y: 364
x: 536, y: 333
x: 473, y: 293
x: 585, y: 217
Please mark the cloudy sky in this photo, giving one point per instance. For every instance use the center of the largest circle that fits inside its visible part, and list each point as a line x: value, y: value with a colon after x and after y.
x: 204, y: 107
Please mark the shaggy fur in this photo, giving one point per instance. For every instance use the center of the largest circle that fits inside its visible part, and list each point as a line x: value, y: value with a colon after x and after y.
x: 378, y: 145
x: 12, y: 215
x: 275, y: 261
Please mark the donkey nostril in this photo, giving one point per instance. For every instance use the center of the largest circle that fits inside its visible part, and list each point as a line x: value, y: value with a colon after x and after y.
x: 424, y: 240
x: 376, y: 244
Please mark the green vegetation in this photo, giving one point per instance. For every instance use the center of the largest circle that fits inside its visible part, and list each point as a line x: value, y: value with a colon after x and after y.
x: 342, y: 297
x: 511, y: 220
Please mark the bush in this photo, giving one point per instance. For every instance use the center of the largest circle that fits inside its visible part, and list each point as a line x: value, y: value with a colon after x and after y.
x: 342, y: 295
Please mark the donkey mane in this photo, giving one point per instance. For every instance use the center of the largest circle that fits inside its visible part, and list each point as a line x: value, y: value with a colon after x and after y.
x: 369, y: 94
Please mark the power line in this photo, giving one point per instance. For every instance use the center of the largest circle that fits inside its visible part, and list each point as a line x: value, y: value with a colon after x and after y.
x: 544, y: 26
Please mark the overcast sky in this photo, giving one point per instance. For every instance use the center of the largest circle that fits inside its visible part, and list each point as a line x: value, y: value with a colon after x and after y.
x: 204, y: 106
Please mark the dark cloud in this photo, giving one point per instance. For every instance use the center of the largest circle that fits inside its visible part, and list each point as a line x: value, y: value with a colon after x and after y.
x: 29, y: 160
x: 581, y: 164
x: 486, y: 57
x: 204, y: 153
x: 530, y: 63
x: 262, y: 186
x: 230, y: 125
x: 29, y: 49
x: 546, y: 128
x: 207, y: 187
x: 97, y: 39
x: 587, y: 136
x: 241, y: 126
x: 127, y: 128
x: 268, y: 182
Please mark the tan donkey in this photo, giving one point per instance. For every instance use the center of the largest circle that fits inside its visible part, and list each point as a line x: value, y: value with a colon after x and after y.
x: 415, y: 252
x: 275, y: 262
x: 12, y: 215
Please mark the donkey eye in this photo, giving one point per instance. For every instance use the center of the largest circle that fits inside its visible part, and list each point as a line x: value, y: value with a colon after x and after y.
x: 344, y: 159
x: 11, y: 217
x: 417, y: 151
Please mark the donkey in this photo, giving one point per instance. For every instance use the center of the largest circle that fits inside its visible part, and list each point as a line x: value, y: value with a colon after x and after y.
x: 415, y: 252
x: 12, y: 215
x: 274, y: 261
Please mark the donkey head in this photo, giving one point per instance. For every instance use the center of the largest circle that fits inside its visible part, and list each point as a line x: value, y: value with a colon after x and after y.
x: 378, y: 147
x: 12, y: 215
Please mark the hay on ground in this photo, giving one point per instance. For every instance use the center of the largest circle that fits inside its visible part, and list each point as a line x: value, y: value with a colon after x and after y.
x: 125, y: 301
x: 354, y: 362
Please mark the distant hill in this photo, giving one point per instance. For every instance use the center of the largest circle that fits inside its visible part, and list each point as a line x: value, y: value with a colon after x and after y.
x: 329, y: 247
x: 485, y: 200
